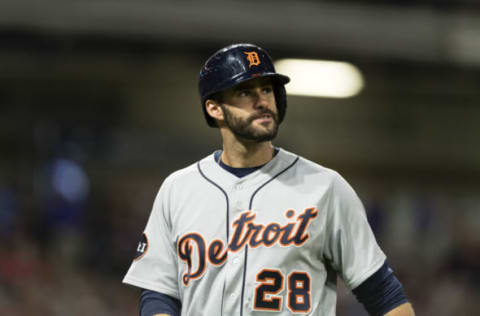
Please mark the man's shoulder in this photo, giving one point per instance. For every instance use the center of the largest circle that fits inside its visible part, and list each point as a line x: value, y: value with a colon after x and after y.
x: 189, y: 172
x: 307, y: 166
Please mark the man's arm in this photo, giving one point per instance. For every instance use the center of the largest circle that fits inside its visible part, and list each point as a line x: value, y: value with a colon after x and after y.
x: 402, y: 310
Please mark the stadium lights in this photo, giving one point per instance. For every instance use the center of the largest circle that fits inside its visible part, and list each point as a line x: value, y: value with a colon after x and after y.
x: 320, y: 78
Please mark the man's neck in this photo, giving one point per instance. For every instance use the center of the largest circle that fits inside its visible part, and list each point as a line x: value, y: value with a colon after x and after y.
x: 244, y: 154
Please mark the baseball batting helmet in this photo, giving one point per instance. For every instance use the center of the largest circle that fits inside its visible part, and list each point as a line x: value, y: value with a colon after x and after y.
x: 235, y: 64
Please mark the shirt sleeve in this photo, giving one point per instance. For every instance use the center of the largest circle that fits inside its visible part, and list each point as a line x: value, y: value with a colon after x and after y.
x: 155, y: 266
x: 350, y: 246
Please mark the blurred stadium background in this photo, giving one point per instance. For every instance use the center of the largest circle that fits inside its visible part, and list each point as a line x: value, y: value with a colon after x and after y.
x: 98, y: 103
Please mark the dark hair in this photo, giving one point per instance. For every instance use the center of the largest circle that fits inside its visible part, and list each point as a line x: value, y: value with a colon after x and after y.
x: 218, y: 96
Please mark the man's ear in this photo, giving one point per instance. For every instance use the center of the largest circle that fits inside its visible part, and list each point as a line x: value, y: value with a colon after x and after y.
x: 214, y: 109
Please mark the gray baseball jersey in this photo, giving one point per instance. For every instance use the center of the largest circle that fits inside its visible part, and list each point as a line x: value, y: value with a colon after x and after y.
x: 270, y: 243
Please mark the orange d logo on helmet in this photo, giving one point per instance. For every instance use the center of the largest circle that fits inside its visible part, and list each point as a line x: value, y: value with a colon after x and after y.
x: 252, y: 58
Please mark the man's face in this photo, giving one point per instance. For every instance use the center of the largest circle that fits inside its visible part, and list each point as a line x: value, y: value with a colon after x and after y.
x: 250, y: 111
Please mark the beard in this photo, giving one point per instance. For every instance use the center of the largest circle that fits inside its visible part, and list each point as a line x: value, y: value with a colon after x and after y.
x: 244, y: 128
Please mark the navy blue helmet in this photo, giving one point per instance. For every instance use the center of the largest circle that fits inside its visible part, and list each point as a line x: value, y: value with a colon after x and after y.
x: 235, y: 64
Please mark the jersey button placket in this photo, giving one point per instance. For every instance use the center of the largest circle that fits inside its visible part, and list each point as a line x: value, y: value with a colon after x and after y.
x: 233, y: 286
x: 238, y: 195
x: 234, y: 268
x: 239, y: 204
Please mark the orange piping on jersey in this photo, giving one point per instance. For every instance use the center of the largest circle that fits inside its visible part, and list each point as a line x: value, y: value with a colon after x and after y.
x: 245, y: 231
x: 272, y: 298
x: 307, y: 297
x: 239, y: 236
x: 217, y: 253
x: 185, y: 254
x: 274, y: 228
x: 304, y: 219
x: 257, y: 230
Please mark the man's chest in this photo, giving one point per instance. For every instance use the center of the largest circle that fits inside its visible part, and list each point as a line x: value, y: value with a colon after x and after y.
x: 247, y: 215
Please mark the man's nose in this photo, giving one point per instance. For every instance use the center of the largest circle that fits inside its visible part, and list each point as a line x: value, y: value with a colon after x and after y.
x: 261, y: 100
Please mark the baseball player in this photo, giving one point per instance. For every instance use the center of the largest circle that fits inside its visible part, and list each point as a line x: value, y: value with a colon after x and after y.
x: 254, y: 229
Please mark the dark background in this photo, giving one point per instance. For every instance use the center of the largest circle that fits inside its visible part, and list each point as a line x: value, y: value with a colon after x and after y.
x: 98, y: 104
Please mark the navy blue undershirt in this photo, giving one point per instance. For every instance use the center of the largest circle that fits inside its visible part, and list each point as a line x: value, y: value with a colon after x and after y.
x: 152, y: 303
x: 379, y: 294
x: 239, y: 172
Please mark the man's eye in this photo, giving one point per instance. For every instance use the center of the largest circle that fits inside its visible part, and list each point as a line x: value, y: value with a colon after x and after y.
x: 267, y: 89
x: 244, y: 93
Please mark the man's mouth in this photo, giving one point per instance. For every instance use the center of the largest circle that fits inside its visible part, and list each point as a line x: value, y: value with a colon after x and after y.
x: 264, y: 117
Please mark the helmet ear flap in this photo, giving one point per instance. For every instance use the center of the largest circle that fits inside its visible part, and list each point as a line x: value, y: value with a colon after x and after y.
x: 281, y: 100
